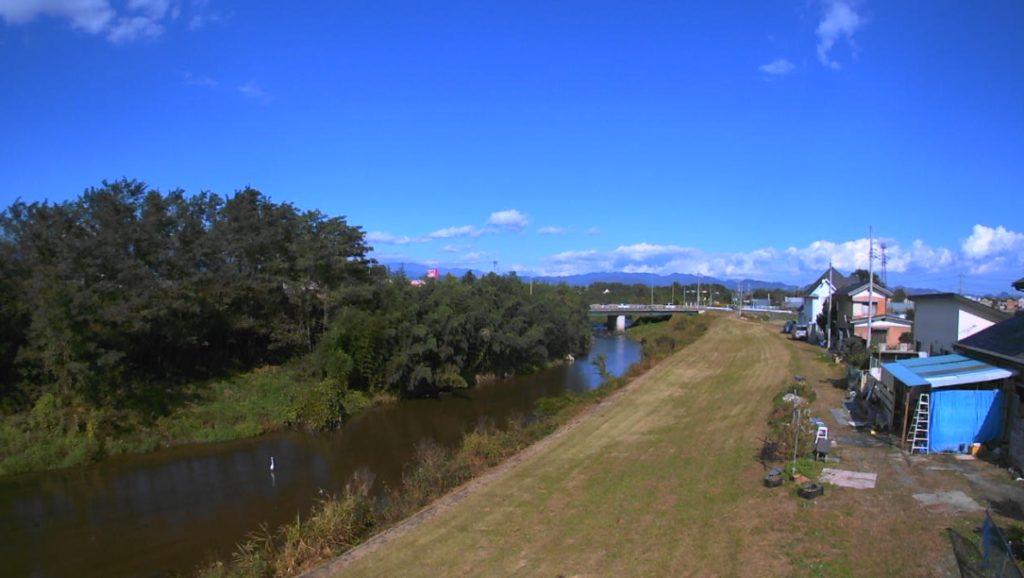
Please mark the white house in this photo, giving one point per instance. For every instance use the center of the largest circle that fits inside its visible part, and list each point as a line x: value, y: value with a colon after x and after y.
x: 942, y: 319
x: 815, y: 295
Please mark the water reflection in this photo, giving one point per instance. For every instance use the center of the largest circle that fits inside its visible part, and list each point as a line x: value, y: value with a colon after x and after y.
x: 149, y: 514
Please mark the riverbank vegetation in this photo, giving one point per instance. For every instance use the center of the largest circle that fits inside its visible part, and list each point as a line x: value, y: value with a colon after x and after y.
x: 341, y: 522
x: 131, y: 319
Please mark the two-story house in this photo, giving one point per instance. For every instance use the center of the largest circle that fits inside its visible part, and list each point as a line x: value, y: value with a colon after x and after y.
x: 859, y: 305
x: 814, y: 296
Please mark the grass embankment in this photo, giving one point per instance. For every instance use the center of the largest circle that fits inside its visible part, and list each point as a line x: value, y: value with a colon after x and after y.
x: 665, y: 482
x: 250, y: 404
x: 341, y: 522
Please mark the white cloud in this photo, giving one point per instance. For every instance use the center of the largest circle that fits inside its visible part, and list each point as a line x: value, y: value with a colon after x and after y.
x: 155, y: 9
x: 476, y: 257
x: 988, y: 251
x: 389, y: 239
x: 133, y: 28
x: 510, y: 220
x: 551, y: 231
x: 141, y: 19
x: 201, y: 17
x: 840, y: 20
x: 777, y: 67
x: 92, y: 16
x: 252, y: 91
x: 455, y: 248
x: 593, y: 231
x: 986, y: 241
x: 198, y: 80
x: 452, y: 232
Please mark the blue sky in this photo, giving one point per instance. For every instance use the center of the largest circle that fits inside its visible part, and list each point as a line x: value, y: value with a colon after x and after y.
x: 737, y: 139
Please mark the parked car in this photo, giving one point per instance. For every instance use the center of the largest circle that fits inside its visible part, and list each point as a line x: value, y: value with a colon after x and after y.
x: 800, y: 332
x: 787, y: 327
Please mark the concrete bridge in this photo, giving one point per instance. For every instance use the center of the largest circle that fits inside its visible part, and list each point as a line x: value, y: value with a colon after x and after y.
x: 617, y: 314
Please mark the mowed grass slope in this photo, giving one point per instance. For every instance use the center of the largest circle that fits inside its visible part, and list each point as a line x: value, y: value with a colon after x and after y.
x: 662, y: 482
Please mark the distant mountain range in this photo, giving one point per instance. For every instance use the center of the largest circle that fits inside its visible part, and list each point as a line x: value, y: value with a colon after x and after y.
x: 416, y: 270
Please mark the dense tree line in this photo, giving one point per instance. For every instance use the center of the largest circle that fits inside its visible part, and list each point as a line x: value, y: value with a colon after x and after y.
x: 123, y: 295
x: 421, y: 340
x: 125, y: 287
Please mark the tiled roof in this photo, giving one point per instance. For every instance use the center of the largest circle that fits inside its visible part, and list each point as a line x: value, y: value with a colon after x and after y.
x: 857, y: 286
x: 1005, y: 338
x: 838, y: 279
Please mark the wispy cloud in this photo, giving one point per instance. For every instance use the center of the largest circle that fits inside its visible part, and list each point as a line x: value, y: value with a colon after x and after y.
x: 202, y: 16
x: 840, y: 20
x: 777, y: 67
x: 453, y: 232
x: 510, y: 220
x: 199, y: 80
x: 252, y: 91
x: 476, y: 257
x: 383, y: 238
x: 140, y: 18
x: 551, y: 231
x: 456, y: 248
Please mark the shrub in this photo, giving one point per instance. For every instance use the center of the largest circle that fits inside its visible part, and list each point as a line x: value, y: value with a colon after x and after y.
x: 321, y: 405
x: 549, y: 406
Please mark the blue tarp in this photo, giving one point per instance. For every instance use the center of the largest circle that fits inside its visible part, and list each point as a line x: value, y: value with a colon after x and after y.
x: 961, y: 417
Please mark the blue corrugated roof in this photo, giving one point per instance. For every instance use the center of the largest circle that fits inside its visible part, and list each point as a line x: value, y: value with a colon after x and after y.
x: 904, y: 374
x: 944, y: 371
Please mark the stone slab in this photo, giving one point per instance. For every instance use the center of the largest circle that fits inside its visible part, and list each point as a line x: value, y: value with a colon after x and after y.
x: 955, y: 499
x: 848, y: 479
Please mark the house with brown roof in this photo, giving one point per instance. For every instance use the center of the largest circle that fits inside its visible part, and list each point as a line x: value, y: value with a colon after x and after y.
x: 861, y: 305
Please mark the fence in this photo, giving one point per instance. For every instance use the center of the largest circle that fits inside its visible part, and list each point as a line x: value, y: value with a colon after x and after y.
x: 995, y: 558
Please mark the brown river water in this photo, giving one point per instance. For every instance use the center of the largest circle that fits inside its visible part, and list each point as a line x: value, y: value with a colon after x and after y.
x: 153, y: 514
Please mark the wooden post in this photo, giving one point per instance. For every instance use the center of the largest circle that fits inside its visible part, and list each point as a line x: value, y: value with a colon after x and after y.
x: 906, y: 416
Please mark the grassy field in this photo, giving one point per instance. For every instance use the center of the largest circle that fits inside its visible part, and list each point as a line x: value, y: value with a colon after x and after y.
x: 664, y: 482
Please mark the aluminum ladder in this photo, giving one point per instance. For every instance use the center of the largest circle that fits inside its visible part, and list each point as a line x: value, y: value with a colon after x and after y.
x: 918, y: 436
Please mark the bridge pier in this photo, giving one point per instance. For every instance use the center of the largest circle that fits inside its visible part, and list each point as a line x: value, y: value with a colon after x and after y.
x: 620, y: 324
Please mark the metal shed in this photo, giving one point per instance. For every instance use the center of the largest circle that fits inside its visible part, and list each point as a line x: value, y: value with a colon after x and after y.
x: 963, y: 400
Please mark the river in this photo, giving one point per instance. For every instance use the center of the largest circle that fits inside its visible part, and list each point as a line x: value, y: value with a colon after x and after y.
x: 151, y: 514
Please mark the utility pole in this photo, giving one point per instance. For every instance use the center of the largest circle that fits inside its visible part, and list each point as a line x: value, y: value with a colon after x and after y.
x: 652, y: 290
x: 871, y: 282
x: 884, y: 260
x: 698, y: 290
x: 961, y: 276
x: 831, y: 293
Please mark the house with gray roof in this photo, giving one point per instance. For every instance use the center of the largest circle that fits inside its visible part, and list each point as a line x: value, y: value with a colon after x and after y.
x: 815, y: 295
x: 942, y: 319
